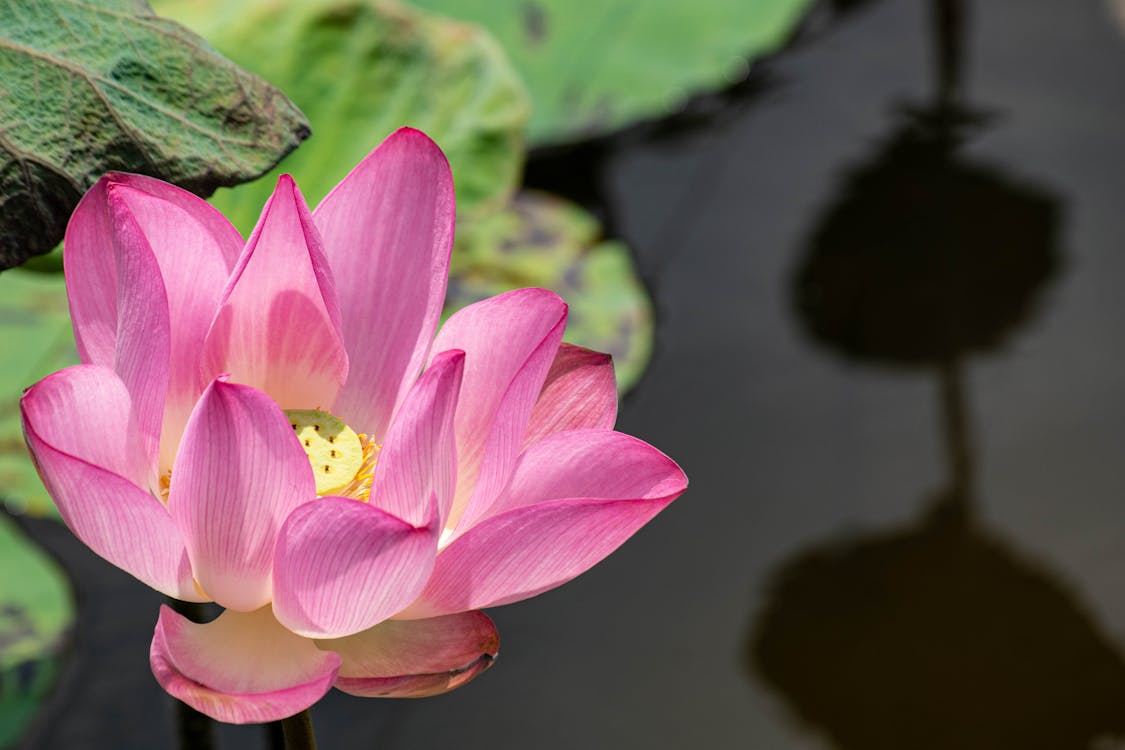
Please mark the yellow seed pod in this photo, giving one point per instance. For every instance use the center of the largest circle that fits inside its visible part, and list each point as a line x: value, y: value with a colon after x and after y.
x: 333, y: 448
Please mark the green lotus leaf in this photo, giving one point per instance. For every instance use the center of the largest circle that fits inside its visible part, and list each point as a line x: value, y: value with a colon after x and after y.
x: 362, y: 68
x: 541, y: 240
x: 595, y: 67
x: 89, y: 87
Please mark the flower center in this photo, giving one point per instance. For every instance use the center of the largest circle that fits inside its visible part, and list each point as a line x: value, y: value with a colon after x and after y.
x: 342, y: 460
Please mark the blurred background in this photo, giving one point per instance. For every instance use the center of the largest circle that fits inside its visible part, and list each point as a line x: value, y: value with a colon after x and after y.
x: 861, y: 266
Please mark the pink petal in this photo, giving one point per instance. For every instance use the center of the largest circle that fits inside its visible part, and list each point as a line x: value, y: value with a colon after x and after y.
x: 83, y: 438
x: 278, y: 328
x: 343, y: 566
x: 86, y: 411
x: 591, y: 463
x: 91, y: 276
x: 194, y: 248
x: 239, y: 473
x: 240, y: 668
x: 388, y: 231
x: 131, y: 335
x: 580, y: 391
x: 574, y: 498
x: 416, y: 658
x: 419, y: 458
x: 509, y: 342
x: 217, y: 241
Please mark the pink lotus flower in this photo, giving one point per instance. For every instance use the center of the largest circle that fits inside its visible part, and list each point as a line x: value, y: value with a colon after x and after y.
x: 249, y: 426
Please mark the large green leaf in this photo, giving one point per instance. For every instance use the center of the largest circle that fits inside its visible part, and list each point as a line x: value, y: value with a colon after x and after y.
x: 362, y: 68
x: 540, y: 240
x: 89, y: 87
x: 37, y: 340
x: 593, y: 67
x: 36, y: 611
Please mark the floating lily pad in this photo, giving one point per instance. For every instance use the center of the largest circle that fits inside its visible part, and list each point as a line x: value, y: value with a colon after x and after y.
x: 35, y: 329
x: 595, y: 67
x: 541, y: 240
x: 36, y: 611
x: 362, y: 68
x: 88, y: 87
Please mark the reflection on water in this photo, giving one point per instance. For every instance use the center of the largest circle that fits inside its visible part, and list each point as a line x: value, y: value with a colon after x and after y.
x: 938, y: 635
x: 925, y: 255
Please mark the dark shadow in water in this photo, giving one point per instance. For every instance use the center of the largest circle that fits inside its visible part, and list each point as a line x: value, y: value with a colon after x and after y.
x: 940, y: 634
x: 926, y: 256
x: 937, y: 636
x: 849, y: 6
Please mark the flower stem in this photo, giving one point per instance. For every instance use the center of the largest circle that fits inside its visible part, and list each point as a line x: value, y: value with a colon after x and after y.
x: 196, y: 731
x: 298, y: 731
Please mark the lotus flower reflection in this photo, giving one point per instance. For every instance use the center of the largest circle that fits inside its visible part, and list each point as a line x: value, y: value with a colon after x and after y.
x: 249, y: 426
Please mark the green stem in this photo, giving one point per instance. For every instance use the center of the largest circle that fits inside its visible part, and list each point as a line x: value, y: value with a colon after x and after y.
x: 298, y: 731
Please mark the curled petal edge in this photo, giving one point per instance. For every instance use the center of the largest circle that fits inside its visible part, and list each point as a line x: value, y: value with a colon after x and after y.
x: 228, y: 706
x: 417, y: 685
x: 416, y: 658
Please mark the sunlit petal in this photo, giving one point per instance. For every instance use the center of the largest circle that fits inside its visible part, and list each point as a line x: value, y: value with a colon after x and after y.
x: 388, y: 231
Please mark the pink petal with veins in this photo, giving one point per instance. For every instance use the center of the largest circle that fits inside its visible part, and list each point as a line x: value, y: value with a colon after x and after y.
x: 239, y: 473
x: 580, y: 392
x: 509, y: 342
x: 343, y: 565
x: 278, y: 327
x: 80, y: 428
x: 388, y: 231
x: 416, y: 658
x: 574, y: 498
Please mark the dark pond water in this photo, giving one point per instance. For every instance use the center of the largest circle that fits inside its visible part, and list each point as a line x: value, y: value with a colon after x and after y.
x: 891, y: 357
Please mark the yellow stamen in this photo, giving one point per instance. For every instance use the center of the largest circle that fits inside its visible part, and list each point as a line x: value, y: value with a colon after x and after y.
x: 342, y: 461
x: 360, y: 486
